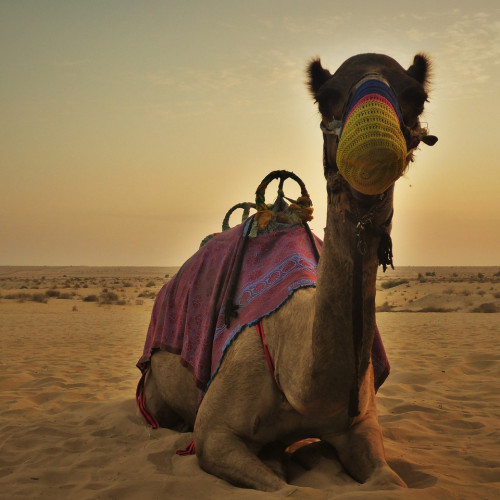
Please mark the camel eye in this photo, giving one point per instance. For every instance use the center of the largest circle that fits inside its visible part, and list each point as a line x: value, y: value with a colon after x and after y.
x: 413, y: 99
x: 328, y: 100
x: 325, y: 109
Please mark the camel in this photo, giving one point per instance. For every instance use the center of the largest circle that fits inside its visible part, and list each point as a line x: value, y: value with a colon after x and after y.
x: 320, y: 339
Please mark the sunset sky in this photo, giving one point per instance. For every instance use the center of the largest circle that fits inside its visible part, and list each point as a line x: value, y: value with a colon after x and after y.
x: 128, y: 128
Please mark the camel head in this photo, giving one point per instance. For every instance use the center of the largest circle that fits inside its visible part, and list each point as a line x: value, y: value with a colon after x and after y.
x: 370, y: 109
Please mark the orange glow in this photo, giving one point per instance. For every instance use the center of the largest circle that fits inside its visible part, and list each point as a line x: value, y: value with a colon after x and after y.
x: 129, y: 130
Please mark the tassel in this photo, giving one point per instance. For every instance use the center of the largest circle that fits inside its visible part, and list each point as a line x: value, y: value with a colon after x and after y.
x: 384, y: 251
x: 263, y: 217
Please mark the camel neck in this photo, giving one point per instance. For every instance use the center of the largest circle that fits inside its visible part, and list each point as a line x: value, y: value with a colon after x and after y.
x: 344, y: 309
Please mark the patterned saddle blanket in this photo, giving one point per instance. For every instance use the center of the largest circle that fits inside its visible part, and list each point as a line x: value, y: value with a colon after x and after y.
x: 188, y: 316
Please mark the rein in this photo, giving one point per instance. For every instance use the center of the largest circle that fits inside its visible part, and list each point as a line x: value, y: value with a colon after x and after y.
x: 364, y: 225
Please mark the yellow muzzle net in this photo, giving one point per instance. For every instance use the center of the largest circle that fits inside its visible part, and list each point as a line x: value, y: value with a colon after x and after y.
x: 371, y: 153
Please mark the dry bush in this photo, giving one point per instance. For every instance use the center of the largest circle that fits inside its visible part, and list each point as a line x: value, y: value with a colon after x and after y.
x: 434, y: 309
x: 385, y: 307
x: 108, y: 298
x: 393, y: 283
x: 487, y: 307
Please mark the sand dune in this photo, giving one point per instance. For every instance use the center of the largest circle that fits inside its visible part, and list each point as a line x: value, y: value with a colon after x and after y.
x: 70, y: 428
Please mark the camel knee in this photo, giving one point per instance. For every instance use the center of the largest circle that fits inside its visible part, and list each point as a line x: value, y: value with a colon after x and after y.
x: 159, y: 407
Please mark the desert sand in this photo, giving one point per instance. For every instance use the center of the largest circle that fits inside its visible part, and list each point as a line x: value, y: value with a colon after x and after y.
x: 70, y: 339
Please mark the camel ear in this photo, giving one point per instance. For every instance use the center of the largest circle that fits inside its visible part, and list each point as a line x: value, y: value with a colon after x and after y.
x: 317, y: 76
x: 420, y: 69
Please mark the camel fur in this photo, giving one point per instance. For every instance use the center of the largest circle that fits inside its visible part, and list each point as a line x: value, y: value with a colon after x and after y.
x: 309, y: 338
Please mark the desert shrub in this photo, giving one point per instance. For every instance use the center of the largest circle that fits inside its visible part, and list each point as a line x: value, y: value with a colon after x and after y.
x: 147, y: 294
x: 65, y: 296
x: 487, y: 307
x: 393, y: 283
x: 449, y: 291
x: 149, y: 284
x: 52, y: 293
x: 430, y: 273
x: 434, y: 309
x: 496, y: 295
x: 91, y: 298
x: 139, y: 302
x: 108, y: 298
x: 39, y: 297
x: 23, y: 296
x: 385, y: 307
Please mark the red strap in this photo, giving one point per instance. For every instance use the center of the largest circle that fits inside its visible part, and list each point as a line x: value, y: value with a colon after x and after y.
x: 269, y: 359
x: 140, y: 398
x: 188, y: 450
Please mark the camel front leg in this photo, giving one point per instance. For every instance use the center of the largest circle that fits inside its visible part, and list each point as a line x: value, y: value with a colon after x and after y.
x: 361, y: 452
x: 225, y: 455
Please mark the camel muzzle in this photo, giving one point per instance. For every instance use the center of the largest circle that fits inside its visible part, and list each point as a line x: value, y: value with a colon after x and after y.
x: 371, y: 153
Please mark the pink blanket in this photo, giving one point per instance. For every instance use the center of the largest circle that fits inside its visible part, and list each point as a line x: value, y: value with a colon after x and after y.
x: 188, y: 314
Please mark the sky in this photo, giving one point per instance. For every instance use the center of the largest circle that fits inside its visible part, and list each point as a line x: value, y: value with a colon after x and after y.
x: 129, y: 128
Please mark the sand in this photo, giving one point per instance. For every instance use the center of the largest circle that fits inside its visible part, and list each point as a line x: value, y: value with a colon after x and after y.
x: 70, y: 429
